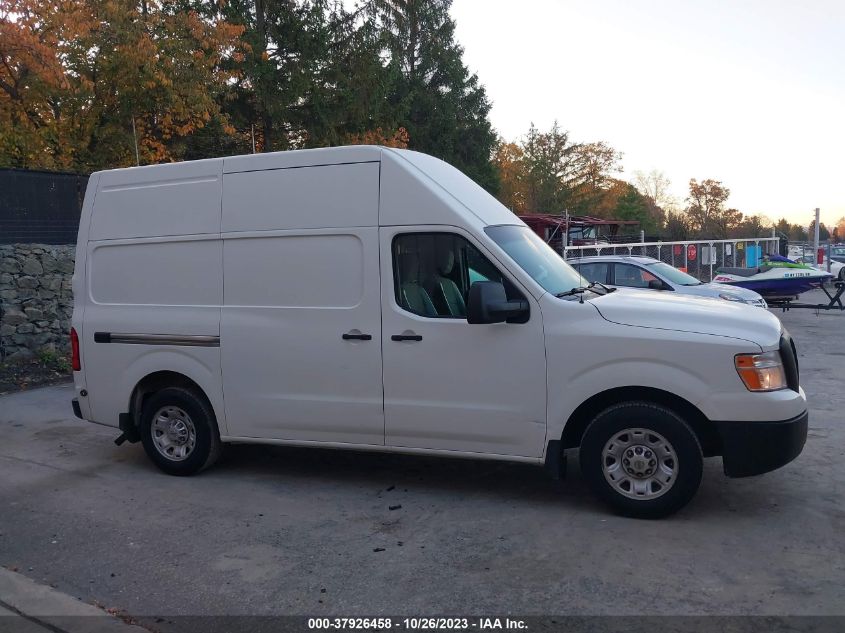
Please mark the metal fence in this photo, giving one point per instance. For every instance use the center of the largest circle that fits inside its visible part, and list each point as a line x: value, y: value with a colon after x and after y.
x: 699, y: 258
x: 40, y: 206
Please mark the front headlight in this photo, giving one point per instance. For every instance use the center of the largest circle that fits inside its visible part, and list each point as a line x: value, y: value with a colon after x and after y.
x: 761, y: 372
x: 729, y: 297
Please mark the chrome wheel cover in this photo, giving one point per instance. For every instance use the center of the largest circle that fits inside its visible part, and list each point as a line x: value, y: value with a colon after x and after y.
x: 639, y: 464
x: 174, y: 434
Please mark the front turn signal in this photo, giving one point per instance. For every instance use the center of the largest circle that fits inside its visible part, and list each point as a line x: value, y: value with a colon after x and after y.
x: 761, y: 372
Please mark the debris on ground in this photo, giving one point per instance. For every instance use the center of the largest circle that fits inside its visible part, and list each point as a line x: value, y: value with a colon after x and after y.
x: 46, y: 368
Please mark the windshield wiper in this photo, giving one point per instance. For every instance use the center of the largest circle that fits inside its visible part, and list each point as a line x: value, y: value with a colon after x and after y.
x: 601, y: 285
x: 580, y: 290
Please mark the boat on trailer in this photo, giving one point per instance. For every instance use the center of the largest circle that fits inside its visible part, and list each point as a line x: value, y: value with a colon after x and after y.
x: 776, y: 278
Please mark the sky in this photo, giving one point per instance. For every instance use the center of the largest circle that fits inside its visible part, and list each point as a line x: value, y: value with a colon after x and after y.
x: 749, y: 92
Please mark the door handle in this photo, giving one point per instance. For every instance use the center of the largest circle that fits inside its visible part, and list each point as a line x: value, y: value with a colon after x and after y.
x: 406, y: 337
x: 357, y: 337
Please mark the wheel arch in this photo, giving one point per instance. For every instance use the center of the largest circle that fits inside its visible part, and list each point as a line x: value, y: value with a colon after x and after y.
x: 577, y: 423
x: 156, y: 381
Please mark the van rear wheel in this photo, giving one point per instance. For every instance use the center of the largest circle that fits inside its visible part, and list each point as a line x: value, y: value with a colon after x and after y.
x: 179, y: 431
x: 642, y: 459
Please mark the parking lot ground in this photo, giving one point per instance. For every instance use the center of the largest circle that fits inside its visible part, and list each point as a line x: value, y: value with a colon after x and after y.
x: 295, y: 531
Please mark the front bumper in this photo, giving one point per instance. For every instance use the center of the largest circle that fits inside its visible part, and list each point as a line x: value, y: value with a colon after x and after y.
x: 753, y: 448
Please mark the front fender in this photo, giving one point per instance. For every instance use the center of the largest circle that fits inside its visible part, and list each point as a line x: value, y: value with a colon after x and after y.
x: 626, y: 373
x: 587, y: 355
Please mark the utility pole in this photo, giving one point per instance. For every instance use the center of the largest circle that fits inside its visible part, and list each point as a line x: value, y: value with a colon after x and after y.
x: 252, y: 131
x: 135, y: 136
x: 816, y: 237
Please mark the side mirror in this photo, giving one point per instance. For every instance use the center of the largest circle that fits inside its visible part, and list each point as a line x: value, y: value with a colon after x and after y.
x: 488, y: 303
x: 656, y: 284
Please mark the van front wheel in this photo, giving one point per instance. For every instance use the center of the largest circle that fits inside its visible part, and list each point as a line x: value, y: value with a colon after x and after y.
x: 642, y: 459
x: 179, y: 431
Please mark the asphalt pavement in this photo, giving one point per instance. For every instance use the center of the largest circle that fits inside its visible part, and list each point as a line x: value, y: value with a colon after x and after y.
x: 273, y: 530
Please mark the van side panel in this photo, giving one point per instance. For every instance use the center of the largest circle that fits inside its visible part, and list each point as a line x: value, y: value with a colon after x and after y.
x: 410, y: 197
x: 301, y: 198
x: 475, y: 206
x: 319, y: 156
x: 181, y: 199
x: 292, y: 291
x: 153, y: 267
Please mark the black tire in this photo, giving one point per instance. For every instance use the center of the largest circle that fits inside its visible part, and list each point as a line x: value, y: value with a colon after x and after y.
x: 684, y: 460
x: 842, y: 274
x: 206, y: 448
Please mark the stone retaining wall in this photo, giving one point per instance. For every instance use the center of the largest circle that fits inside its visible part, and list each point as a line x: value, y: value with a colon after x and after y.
x: 36, y: 301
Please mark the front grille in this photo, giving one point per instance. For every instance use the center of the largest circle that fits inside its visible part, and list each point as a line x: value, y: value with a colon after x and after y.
x: 789, y: 357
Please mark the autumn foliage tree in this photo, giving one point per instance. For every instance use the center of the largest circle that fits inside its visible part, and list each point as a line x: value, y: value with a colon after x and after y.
x: 547, y: 172
x: 75, y: 77
x: 508, y: 161
x: 397, y: 138
x: 838, y: 233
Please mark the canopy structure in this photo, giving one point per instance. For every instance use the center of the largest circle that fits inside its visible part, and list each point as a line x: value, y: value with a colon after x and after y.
x: 581, y: 230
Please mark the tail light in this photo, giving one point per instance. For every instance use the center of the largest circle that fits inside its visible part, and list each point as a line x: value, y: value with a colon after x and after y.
x: 74, y: 351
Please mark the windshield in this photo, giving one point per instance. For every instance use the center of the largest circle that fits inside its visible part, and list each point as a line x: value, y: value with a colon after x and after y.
x: 839, y: 252
x: 536, y: 258
x: 673, y: 274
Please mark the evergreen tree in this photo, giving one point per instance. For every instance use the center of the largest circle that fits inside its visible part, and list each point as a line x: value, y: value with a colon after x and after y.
x: 632, y: 205
x: 437, y: 99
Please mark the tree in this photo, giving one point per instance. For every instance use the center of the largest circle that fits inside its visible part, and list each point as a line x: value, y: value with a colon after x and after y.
x: 547, y: 159
x: 824, y: 233
x: 397, y: 138
x: 548, y: 173
x: 655, y: 185
x: 632, y: 205
x: 286, y: 43
x: 509, y: 162
x: 82, y: 79
x: 594, y: 164
x: 706, y: 209
x: 838, y: 233
x: 754, y: 226
x: 442, y: 105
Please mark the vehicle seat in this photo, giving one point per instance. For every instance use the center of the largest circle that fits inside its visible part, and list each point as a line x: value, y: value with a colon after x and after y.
x: 412, y: 295
x: 741, y: 272
x: 630, y: 277
x: 447, y: 289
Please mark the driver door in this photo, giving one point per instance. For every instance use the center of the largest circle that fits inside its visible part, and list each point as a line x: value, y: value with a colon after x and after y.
x: 449, y: 385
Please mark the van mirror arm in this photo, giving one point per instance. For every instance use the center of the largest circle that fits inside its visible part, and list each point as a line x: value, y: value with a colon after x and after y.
x: 508, y: 309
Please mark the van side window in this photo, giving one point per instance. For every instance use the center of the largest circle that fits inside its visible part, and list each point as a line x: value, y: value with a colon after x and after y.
x: 432, y: 273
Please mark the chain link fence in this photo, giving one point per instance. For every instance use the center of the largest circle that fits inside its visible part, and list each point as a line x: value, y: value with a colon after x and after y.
x: 699, y: 258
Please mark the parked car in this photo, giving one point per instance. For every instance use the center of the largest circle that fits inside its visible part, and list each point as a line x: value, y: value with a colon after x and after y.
x: 647, y: 273
x: 837, y: 268
x: 327, y: 293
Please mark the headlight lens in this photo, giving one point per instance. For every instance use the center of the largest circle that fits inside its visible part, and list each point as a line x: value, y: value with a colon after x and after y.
x: 761, y: 372
x: 729, y: 297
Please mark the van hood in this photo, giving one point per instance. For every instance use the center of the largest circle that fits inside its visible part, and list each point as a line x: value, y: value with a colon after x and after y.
x: 688, y: 313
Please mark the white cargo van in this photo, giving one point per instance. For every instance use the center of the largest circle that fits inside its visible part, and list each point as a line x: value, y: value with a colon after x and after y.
x: 376, y: 299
